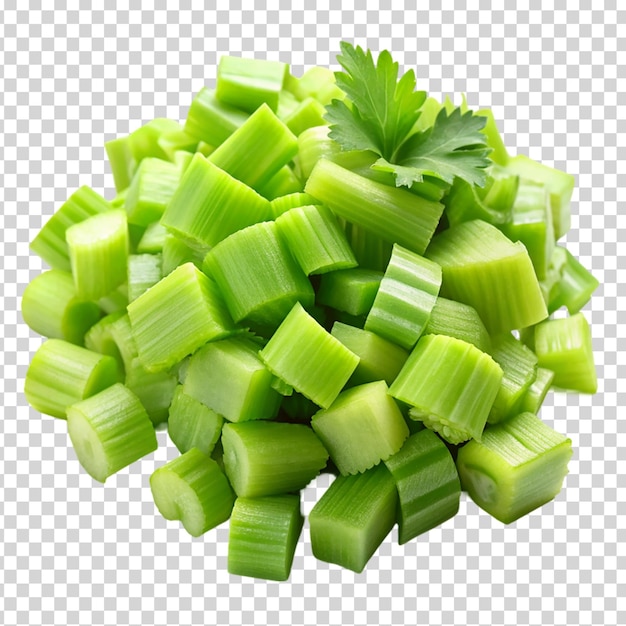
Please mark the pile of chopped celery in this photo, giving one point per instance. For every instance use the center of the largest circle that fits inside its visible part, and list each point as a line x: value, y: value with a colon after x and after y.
x: 331, y: 273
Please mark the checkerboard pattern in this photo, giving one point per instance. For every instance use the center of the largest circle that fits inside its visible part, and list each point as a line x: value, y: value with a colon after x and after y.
x: 76, y: 552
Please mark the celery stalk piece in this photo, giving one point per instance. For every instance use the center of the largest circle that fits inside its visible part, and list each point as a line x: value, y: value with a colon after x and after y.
x: 248, y: 83
x: 50, y: 243
x: 518, y: 466
x: 176, y: 142
x: 99, y: 338
x: 176, y: 316
x: 210, y: 204
x: 308, y: 114
x: 191, y: 424
x: 109, y: 431
x: 212, y: 121
x: 61, y: 373
x: 308, y: 358
x: 313, y: 145
x: 144, y: 142
x: 361, y: 428
x: 559, y: 185
x: 459, y: 320
x: 51, y: 307
x: 98, y: 248
x: 576, y: 284
x: 315, y: 239
x: 535, y: 395
x: 349, y: 522
x: 121, y: 333
x: 282, y: 204
x: 240, y: 386
x: 151, y: 190
x: 259, y: 279
x: 564, y: 346
x: 314, y: 80
x: 266, y: 143
x: 116, y: 301
x: 393, y: 214
x: 483, y: 268
x: 371, y: 252
x: 428, y: 484
x: 519, y: 370
x: 269, y: 458
x: 405, y: 298
x: 144, y: 271
x: 263, y: 536
x: 152, y: 240
x: 351, y: 291
x: 531, y: 223
x: 122, y: 162
x: 498, y: 152
x: 155, y: 390
x: 135, y: 233
x: 176, y: 252
x: 284, y: 182
x: 500, y: 189
x: 450, y: 385
x: 281, y: 387
x: 119, y: 200
x: 193, y: 489
x: 287, y: 104
x: 379, y: 359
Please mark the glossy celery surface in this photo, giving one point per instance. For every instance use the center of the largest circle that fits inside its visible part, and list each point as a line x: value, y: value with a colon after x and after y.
x: 144, y: 271
x: 285, y: 181
x: 313, y: 145
x: 351, y: 290
x: 518, y: 466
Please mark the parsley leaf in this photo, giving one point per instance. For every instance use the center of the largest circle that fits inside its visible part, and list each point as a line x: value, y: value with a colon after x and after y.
x: 453, y: 146
x: 380, y: 116
x: 384, y: 109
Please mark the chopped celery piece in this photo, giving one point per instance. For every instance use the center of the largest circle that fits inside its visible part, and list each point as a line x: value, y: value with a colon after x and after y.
x: 98, y: 249
x: 500, y: 189
x: 308, y: 114
x: 176, y: 316
x: 191, y: 424
x: 349, y: 522
x: 564, y: 346
x: 176, y: 252
x: 122, y: 334
x: 152, y: 240
x: 287, y: 104
x: 210, y: 204
x: 405, y: 298
x: 531, y: 223
x: 315, y: 239
x: 379, y: 359
x: 61, y: 373
x: 450, y: 385
x: 50, y: 243
x: 193, y: 489
x: 177, y: 142
x: 483, y: 268
x: 116, y: 301
x: 313, y: 145
x: 393, y: 214
x: 533, y: 398
x: 51, y: 307
x: 212, y: 121
x: 99, y: 338
x: 428, y: 484
x: 498, y: 152
x: 284, y: 182
x: 351, y: 291
x: 517, y: 467
x: 459, y: 320
x: 263, y: 536
x: 269, y: 458
x: 281, y: 387
x: 259, y: 279
x: 559, y: 185
x: 109, y: 431
x: 575, y: 284
x: 122, y: 162
x: 371, y: 252
x: 240, y: 387
x: 361, y: 428
x: 314, y: 80
x: 248, y: 83
x: 144, y: 271
x: 151, y: 190
x: 154, y: 389
x: 282, y: 204
x: 308, y: 358
x: 266, y: 143
x: 519, y: 370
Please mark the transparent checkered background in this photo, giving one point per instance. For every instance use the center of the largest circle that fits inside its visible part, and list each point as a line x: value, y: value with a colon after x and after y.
x: 76, y: 552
